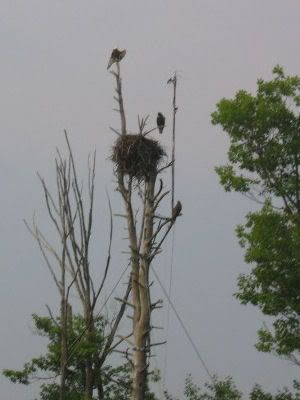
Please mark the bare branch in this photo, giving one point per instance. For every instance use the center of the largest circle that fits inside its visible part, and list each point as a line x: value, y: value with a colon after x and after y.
x: 160, y: 198
x: 115, y: 131
x: 125, y: 338
x: 127, y: 303
x: 109, y: 252
x: 111, y: 336
x: 51, y: 316
x: 165, y: 167
x: 36, y: 235
x: 156, y: 344
x: 161, y: 185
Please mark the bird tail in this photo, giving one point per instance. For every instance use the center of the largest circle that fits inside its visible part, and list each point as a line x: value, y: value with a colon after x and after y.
x: 110, y: 63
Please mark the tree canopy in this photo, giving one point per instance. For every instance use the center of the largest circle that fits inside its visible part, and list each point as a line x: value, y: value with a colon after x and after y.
x: 114, y: 382
x: 225, y: 389
x: 263, y: 163
x: 110, y: 382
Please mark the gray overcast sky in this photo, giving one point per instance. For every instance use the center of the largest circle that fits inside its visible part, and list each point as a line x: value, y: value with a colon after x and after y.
x: 53, y: 76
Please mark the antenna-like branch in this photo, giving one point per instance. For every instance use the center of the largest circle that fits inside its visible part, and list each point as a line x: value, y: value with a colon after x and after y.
x: 173, y: 81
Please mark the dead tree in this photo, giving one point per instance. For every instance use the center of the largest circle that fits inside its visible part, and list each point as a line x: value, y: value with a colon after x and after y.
x: 138, y: 162
x: 72, y: 216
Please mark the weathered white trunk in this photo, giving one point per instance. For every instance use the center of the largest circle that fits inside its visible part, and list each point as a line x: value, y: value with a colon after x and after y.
x: 141, y: 299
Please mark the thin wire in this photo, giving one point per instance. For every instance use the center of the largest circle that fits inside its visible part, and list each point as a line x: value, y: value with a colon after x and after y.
x: 183, y: 327
x: 168, y: 309
x: 172, y: 80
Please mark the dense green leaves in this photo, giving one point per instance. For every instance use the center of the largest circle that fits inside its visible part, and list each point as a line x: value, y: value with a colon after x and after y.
x: 271, y: 239
x: 115, y: 381
x: 264, y: 161
x: 110, y: 383
x: 216, y: 390
x: 264, y: 133
x: 225, y: 389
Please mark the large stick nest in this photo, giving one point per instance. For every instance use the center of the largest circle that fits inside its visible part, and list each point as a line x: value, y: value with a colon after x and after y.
x: 137, y: 156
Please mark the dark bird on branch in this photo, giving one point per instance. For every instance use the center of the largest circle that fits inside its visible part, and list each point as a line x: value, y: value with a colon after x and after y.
x: 176, y: 210
x: 160, y: 120
x: 116, y: 56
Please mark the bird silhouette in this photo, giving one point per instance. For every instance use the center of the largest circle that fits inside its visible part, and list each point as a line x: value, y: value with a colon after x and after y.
x: 116, y: 56
x: 160, y: 120
x: 176, y: 210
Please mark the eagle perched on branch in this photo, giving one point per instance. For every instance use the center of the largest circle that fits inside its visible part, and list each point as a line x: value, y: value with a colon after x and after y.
x: 160, y: 120
x: 176, y: 210
x: 116, y: 56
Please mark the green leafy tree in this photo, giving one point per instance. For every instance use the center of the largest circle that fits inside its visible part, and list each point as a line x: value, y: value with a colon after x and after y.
x: 109, y: 382
x: 225, y: 389
x: 258, y: 394
x: 216, y: 390
x: 263, y: 163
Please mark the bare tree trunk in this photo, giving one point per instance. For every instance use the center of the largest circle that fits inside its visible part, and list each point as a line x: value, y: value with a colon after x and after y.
x: 63, y: 354
x: 64, y: 300
x: 141, y: 321
x: 89, y: 379
x: 121, y: 103
x: 89, y: 376
x: 143, y: 246
x: 100, y: 390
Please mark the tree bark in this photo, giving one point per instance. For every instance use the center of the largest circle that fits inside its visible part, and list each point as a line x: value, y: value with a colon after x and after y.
x: 141, y: 296
x: 89, y: 373
x: 63, y: 354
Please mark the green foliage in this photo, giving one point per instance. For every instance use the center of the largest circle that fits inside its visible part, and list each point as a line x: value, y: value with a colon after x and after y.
x: 258, y: 394
x: 114, y: 381
x: 231, y: 181
x: 271, y: 240
x: 264, y: 161
x: 226, y: 389
x: 216, y: 390
x: 264, y: 133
